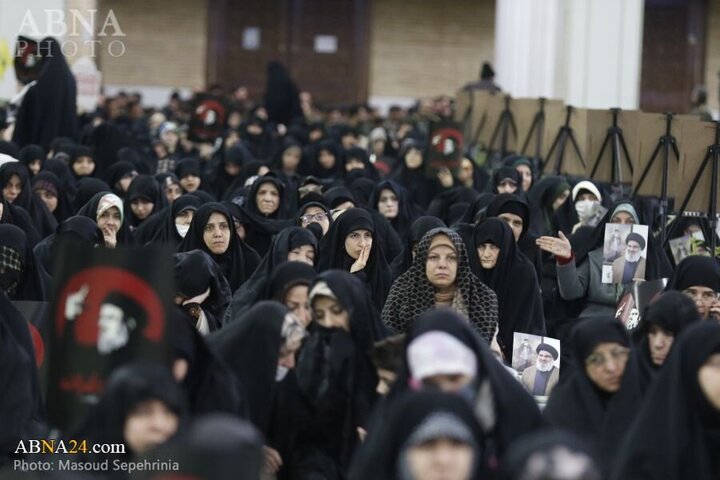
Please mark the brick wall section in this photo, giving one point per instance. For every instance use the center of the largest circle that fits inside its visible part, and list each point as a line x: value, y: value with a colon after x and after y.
x: 428, y: 47
x: 712, y: 54
x: 166, y: 43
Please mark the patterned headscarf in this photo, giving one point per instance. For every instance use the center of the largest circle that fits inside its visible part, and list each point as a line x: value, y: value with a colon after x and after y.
x: 107, y: 202
x: 10, y: 259
x: 412, y: 293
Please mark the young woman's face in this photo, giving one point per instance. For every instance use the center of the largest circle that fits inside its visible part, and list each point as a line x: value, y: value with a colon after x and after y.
x: 83, y: 166
x: 560, y: 200
x: 291, y: 159
x: 488, y: 254
x: 388, y: 204
x: 303, y: 253
x: 185, y: 217
x: 465, y: 173
x: 48, y: 198
x: 606, y: 365
x: 660, y: 341
x: 623, y: 218
x: 441, y: 266
x: 267, y: 198
x: 141, y: 208
x: 149, y: 424
x: 413, y: 159
x: 356, y: 241
x: 296, y: 300
x: 190, y: 183
x: 330, y: 314
x: 709, y: 380
x: 35, y: 166
x: 216, y: 233
x: 326, y: 159
x: 515, y: 222
x: 443, y: 458
x: 526, y: 176
x: 110, y: 220
x: 173, y: 192
x: 125, y: 182
x: 12, y: 188
x: 232, y: 169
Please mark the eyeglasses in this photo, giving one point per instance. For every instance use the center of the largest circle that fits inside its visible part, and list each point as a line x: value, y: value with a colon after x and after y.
x: 597, y: 360
x: 707, y: 296
x: 315, y: 217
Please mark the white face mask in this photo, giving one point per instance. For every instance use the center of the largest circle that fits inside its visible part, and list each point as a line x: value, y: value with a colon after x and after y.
x: 182, y: 229
x: 280, y: 373
x: 585, y: 209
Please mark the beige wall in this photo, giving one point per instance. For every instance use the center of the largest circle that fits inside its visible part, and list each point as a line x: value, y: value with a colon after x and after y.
x: 428, y: 47
x: 165, y: 42
x: 712, y: 54
x: 417, y: 47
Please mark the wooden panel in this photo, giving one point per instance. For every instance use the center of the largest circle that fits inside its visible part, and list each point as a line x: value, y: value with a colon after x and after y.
x: 696, y: 138
x: 653, y: 126
x: 598, y: 124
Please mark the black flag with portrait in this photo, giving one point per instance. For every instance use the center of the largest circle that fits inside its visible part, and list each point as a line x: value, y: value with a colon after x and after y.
x: 445, y: 147
x: 207, y: 121
x: 109, y: 309
x: 28, y: 60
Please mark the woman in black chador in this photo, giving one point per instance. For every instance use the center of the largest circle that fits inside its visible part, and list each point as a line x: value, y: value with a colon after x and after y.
x: 335, y: 375
x: 676, y: 434
x: 350, y: 245
x: 499, y: 264
x: 212, y: 230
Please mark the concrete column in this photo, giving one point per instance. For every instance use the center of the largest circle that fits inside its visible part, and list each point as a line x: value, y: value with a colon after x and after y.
x: 586, y: 52
x: 527, y: 43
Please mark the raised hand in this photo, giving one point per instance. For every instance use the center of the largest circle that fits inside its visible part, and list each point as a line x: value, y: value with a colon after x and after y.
x: 361, y: 260
x: 110, y: 236
x: 273, y: 460
x: 445, y: 177
x: 560, y: 247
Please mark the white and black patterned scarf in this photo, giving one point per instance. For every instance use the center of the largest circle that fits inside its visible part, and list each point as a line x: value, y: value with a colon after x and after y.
x: 412, y: 293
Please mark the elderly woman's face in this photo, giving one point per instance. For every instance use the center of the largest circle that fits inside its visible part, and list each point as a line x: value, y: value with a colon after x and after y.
x: 442, y: 262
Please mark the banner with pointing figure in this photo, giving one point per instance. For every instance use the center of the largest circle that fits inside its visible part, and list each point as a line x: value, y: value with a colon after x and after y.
x: 109, y: 309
